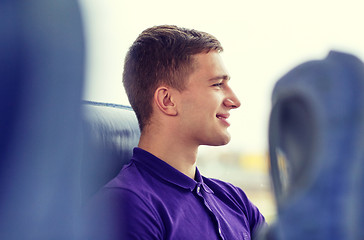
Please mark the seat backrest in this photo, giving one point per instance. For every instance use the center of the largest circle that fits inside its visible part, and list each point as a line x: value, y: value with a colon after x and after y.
x: 317, y: 122
x: 41, y: 84
x: 111, y: 132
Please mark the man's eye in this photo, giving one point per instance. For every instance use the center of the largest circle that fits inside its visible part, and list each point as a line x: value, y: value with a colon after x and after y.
x: 217, y: 84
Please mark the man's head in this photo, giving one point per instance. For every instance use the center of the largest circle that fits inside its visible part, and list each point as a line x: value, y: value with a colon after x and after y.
x: 162, y: 55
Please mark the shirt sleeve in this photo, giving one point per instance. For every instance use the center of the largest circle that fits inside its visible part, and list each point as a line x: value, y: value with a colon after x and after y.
x: 255, y: 218
x: 121, y: 214
x: 236, y: 195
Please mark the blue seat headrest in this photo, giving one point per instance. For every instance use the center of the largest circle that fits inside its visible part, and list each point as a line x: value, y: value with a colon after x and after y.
x: 317, y: 123
x: 111, y: 132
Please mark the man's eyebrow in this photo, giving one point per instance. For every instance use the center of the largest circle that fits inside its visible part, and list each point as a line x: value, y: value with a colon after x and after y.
x: 223, y: 77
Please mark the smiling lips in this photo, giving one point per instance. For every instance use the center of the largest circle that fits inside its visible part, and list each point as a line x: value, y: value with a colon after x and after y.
x: 223, y: 118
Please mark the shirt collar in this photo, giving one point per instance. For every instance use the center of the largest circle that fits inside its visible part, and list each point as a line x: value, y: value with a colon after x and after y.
x: 166, y: 172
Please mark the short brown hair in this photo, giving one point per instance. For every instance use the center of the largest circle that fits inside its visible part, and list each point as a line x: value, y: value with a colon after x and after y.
x: 161, y: 55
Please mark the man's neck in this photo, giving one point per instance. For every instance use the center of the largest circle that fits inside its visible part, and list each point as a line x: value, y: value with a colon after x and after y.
x: 171, y: 150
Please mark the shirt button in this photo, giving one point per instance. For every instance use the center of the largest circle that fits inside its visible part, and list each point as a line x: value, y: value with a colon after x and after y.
x: 221, y: 234
x: 198, y: 189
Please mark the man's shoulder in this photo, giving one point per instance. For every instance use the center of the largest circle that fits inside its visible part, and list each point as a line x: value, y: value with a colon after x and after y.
x: 132, y: 184
x: 125, y: 177
x: 223, y: 185
x: 234, y: 195
x: 227, y: 189
x: 122, y: 184
x: 132, y: 178
x: 124, y: 199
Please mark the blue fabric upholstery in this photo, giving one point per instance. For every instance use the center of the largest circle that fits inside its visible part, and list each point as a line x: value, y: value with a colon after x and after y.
x: 111, y: 132
x: 317, y: 126
x: 41, y: 84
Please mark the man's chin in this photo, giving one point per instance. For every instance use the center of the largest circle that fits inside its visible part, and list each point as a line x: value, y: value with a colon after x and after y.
x: 221, y: 141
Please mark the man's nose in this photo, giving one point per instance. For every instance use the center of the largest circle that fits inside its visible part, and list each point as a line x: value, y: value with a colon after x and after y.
x: 232, y: 101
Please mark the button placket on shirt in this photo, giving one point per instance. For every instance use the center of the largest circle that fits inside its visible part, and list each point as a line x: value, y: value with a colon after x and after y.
x: 199, y: 193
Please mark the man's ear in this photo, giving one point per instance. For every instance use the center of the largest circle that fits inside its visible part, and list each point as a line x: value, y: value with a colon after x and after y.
x: 164, y: 100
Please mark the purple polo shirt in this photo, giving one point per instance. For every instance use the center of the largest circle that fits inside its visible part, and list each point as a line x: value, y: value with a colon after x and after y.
x: 150, y: 199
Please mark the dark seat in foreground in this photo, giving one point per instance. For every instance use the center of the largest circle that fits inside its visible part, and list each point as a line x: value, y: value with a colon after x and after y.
x: 317, y: 122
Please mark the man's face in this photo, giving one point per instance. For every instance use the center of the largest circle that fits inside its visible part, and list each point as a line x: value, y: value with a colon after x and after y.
x: 206, y: 101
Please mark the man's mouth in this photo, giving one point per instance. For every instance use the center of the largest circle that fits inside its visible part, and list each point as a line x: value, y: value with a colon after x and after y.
x: 223, y: 118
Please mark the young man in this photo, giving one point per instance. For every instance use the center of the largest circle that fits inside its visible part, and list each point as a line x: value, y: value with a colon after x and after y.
x: 179, y: 89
